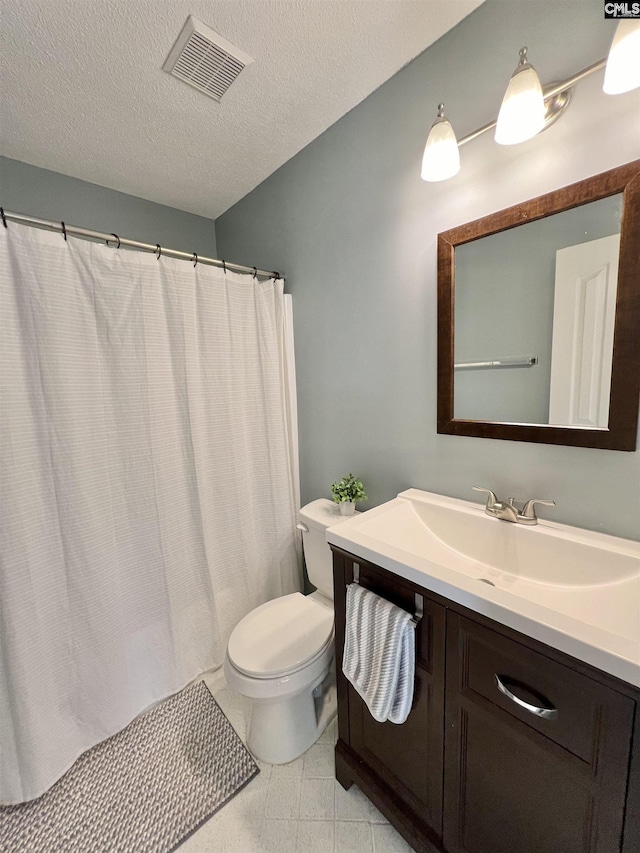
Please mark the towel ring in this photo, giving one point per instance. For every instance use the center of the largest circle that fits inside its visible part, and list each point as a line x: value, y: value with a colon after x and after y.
x: 418, y: 600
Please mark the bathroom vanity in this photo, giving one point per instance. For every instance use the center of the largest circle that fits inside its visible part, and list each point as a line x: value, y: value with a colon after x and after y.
x: 512, y: 745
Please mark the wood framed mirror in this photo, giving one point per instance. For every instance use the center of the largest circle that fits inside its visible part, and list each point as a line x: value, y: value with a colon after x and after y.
x: 539, y: 318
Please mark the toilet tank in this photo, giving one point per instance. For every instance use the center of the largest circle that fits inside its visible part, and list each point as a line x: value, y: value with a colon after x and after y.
x: 316, y: 517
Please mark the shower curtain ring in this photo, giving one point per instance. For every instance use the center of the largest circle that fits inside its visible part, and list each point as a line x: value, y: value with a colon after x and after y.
x: 158, y: 250
x: 4, y: 218
x: 255, y: 272
x: 64, y: 232
x: 195, y: 259
x: 117, y: 238
x: 224, y: 266
x: 276, y: 276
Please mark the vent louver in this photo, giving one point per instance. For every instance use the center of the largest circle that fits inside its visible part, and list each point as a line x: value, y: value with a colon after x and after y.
x: 205, y: 60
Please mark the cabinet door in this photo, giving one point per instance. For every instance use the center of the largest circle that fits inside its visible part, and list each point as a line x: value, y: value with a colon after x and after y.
x: 516, y: 782
x: 408, y: 757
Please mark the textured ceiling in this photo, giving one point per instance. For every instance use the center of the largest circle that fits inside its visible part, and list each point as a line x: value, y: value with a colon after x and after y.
x: 82, y: 91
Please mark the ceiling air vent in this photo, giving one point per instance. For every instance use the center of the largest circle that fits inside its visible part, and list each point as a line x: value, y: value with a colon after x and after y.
x: 204, y: 60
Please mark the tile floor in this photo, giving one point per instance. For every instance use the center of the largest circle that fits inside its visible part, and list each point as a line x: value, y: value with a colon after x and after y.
x: 292, y: 807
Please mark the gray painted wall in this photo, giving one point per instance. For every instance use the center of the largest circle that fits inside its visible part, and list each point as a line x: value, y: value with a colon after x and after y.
x: 354, y: 228
x: 50, y: 195
x: 505, y: 287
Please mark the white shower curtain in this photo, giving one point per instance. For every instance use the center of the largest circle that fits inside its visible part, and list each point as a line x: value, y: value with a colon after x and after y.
x: 146, y: 476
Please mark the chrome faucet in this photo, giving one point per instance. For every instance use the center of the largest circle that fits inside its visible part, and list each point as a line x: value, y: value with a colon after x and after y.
x: 509, y: 511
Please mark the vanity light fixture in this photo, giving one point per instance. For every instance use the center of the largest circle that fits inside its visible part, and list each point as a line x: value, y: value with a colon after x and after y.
x: 441, y: 156
x: 520, y: 113
x: 622, y: 73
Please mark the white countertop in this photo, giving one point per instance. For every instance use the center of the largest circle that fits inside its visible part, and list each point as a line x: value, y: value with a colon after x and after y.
x: 592, y: 615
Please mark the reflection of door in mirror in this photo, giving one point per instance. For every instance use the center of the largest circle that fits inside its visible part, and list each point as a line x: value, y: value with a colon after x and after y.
x: 582, y: 341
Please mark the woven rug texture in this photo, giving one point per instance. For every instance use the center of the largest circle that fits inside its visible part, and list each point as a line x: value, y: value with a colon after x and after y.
x: 144, y: 789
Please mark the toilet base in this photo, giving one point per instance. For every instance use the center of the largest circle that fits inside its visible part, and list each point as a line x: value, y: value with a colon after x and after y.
x: 280, y: 730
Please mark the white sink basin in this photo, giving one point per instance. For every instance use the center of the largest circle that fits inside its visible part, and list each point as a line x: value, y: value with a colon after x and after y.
x: 574, y: 589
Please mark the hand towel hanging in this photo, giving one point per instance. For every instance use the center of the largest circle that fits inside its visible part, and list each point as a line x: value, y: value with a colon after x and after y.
x: 379, y: 654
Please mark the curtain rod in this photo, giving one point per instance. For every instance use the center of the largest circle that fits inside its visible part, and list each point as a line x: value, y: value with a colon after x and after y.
x: 113, y: 239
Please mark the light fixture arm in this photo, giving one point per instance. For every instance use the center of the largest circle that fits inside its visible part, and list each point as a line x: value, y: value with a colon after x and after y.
x: 549, y: 93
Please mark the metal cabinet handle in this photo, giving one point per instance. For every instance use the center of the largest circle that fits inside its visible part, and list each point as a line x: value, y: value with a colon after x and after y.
x: 545, y: 713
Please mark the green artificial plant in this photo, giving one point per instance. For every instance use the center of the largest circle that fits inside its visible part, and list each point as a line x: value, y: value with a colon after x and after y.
x: 348, y: 489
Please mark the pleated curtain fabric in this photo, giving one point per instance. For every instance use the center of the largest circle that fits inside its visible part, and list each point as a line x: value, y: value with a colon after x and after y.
x: 146, y: 486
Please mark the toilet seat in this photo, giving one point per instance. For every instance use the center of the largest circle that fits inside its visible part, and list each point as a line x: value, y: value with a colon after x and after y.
x: 281, y: 637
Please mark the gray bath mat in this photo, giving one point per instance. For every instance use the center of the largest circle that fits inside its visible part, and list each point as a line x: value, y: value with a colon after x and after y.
x: 143, y: 790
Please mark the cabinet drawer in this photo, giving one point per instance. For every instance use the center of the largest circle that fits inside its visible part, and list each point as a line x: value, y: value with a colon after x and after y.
x: 577, y: 707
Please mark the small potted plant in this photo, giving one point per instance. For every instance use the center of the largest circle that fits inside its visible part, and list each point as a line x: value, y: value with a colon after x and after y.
x: 346, y: 492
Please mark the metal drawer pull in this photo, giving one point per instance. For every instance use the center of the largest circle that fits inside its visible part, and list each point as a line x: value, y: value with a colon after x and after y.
x: 545, y: 713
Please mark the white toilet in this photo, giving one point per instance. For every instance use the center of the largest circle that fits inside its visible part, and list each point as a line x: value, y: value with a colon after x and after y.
x: 281, y: 655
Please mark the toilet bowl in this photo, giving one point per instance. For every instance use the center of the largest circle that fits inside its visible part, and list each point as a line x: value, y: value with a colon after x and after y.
x: 281, y: 655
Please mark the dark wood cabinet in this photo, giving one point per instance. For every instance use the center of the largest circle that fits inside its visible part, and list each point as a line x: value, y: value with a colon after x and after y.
x: 516, y: 781
x: 540, y: 763
x: 406, y: 760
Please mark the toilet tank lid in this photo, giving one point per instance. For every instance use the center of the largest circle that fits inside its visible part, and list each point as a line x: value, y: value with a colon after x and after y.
x: 322, y: 513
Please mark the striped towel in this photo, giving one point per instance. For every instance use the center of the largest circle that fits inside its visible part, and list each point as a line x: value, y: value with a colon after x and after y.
x: 379, y: 654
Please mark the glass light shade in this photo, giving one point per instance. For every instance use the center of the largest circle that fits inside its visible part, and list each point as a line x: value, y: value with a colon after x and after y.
x: 622, y: 73
x: 441, y: 158
x: 522, y: 112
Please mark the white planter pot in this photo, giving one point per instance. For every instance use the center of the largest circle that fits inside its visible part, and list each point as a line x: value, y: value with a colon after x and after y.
x: 347, y: 508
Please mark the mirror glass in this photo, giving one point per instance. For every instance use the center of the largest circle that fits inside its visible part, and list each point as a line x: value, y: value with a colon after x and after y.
x: 534, y: 316
x: 538, y: 308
